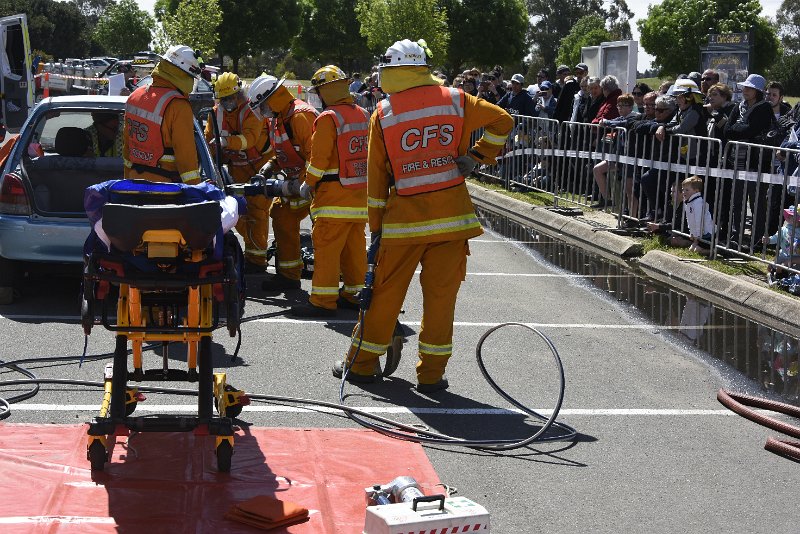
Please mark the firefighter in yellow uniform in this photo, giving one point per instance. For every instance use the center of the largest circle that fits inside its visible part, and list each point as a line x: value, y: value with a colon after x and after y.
x: 290, y: 129
x: 336, y: 178
x: 158, y: 143
x: 243, y: 138
x: 419, y: 153
x: 106, y: 134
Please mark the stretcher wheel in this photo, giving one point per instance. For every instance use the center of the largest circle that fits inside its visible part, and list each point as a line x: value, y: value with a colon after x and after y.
x: 205, y: 384
x: 98, y: 455
x: 394, y: 350
x: 87, y: 315
x: 119, y: 379
x: 233, y: 410
x: 224, y: 456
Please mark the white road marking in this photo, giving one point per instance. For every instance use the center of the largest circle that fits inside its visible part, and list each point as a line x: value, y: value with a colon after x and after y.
x: 289, y: 320
x: 184, y: 408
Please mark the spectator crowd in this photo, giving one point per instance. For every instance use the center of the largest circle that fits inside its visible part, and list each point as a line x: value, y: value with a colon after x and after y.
x: 684, y: 123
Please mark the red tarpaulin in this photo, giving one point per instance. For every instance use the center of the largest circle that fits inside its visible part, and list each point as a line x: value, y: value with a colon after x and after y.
x: 167, y: 482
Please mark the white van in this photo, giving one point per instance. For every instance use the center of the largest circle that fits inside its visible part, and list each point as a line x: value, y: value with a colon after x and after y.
x: 16, y: 78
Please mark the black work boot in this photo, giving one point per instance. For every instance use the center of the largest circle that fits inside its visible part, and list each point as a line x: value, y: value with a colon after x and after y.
x: 309, y: 310
x: 338, y: 371
x: 254, y: 268
x: 347, y: 304
x: 442, y: 384
x: 278, y: 282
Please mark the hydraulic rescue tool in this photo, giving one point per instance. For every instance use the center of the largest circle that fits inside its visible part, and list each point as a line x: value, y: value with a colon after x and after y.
x: 400, y: 507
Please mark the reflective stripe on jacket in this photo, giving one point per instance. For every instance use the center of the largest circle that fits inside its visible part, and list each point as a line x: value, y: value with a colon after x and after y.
x: 144, y: 113
x: 288, y: 158
x: 233, y: 123
x: 422, y: 128
x: 352, y: 127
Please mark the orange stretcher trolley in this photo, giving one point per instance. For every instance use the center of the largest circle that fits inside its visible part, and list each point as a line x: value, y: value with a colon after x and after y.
x: 161, y: 248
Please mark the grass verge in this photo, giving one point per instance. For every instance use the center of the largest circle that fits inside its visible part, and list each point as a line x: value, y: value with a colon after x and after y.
x: 751, y: 269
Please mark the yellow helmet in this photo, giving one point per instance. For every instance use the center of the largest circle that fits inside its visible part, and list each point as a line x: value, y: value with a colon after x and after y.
x: 327, y: 74
x: 227, y: 84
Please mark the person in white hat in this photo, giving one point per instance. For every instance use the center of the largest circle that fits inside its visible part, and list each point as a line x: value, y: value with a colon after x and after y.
x: 518, y: 100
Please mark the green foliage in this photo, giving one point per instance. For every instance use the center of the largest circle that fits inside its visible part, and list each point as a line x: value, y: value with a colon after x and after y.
x: 552, y: 20
x: 788, y: 22
x: 385, y: 21
x: 58, y: 28
x: 787, y: 71
x: 505, y: 18
x: 249, y: 28
x: 674, y: 30
x: 588, y: 31
x: 195, y: 24
x: 330, y: 34
x: 298, y: 68
x: 124, y: 28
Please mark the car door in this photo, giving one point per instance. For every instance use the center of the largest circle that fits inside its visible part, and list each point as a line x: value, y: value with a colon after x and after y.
x: 16, y: 79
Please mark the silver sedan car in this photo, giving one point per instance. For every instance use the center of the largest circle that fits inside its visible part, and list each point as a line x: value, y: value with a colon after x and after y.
x: 56, y: 156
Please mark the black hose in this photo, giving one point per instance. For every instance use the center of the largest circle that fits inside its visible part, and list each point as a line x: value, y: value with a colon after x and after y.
x: 418, y: 435
x: 393, y: 428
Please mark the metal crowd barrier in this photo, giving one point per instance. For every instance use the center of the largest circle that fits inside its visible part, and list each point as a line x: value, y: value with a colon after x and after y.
x: 746, y: 185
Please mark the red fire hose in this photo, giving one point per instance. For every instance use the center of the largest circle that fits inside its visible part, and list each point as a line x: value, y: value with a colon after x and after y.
x: 742, y: 404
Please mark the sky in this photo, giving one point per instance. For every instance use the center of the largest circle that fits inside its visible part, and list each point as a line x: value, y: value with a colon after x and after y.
x: 639, y: 8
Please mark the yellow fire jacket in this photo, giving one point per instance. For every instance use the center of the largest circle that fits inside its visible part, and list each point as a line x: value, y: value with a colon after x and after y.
x: 331, y: 199
x: 442, y: 215
x: 177, y: 132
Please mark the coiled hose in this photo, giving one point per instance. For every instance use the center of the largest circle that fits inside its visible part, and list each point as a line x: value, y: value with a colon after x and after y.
x: 382, y: 425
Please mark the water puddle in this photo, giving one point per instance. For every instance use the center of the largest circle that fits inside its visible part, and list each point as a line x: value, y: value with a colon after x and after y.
x: 766, y: 357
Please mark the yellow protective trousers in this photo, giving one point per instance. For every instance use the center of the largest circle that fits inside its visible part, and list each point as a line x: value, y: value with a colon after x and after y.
x: 286, y: 226
x: 339, y: 248
x: 253, y: 227
x: 444, y: 267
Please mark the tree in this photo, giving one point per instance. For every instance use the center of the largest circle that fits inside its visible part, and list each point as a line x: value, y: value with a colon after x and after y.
x: 788, y: 22
x: 124, y: 28
x: 91, y: 10
x: 552, y: 21
x: 588, y: 31
x: 55, y: 27
x: 618, y: 21
x: 506, y: 18
x: 253, y: 27
x: 330, y: 34
x: 195, y: 24
x: 385, y: 21
x: 674, y: 31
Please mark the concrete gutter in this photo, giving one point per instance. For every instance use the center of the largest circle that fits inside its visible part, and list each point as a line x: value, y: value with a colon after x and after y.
x: 757, y: 303
x: 572, y: 231
x: 749, y: 300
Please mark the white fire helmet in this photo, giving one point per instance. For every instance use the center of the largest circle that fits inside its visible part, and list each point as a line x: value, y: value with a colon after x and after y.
x: 406, y: 53
x: 185, y: 59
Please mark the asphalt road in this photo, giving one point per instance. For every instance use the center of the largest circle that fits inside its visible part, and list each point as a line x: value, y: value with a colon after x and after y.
x: 656, y: 451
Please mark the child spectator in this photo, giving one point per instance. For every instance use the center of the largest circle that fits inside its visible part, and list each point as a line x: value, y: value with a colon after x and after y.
x: 697, y: 215
x: 788, y: 240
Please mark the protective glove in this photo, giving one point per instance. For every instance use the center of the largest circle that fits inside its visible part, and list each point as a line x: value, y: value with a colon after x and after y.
x: 306, y: 191
x: 267, y: 170
x: 466, y: 164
